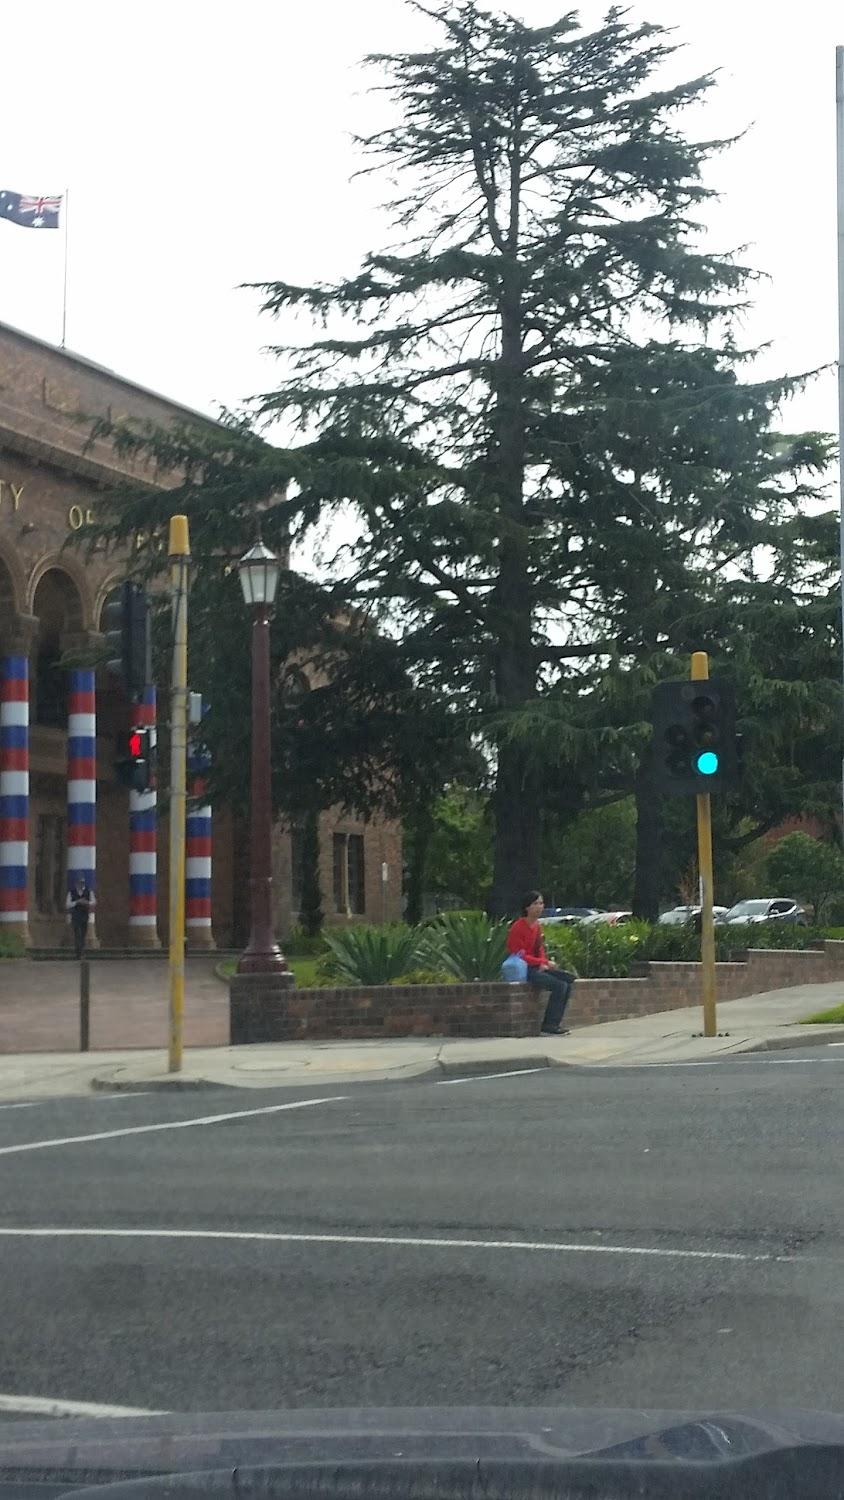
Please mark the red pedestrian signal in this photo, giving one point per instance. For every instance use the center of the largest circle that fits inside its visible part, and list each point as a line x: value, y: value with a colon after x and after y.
x: 135, y: 764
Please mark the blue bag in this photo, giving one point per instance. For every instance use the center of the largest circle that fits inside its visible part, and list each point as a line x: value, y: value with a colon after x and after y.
x: 514, y: 969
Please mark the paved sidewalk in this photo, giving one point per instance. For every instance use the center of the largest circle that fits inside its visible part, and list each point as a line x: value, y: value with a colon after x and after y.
x: 756, y: 1023
x: 39, y: 1004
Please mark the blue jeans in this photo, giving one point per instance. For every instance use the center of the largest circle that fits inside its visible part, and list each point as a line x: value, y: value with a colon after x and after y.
x: 559, y: 982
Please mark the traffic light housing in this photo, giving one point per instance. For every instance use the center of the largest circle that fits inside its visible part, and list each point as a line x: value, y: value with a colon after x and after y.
x: 694, y: 737
x: 130, y: 638
x: 136, y: 761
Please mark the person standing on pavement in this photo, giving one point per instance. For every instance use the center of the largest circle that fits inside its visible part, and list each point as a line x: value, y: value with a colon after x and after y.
x: 525, y: 940
x: 80, y: 904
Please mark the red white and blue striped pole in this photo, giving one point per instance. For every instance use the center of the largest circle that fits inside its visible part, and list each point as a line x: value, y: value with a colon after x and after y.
x: 82, y: 784
x: 143, y: 829
x: 198, y: 855
x: 14, y: 793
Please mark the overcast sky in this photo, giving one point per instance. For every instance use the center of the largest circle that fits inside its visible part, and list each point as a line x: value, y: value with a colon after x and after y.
x: 207, y: 145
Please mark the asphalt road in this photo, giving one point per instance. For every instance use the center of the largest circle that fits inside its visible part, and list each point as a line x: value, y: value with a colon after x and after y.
x: 668, y: 1236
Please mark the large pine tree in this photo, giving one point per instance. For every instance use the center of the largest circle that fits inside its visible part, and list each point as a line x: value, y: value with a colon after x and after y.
x: 535, y: 412
x: 533, y: 405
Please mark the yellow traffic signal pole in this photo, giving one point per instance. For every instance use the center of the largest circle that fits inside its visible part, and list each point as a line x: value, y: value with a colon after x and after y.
x: 179, y: 559
x: 700, y: 673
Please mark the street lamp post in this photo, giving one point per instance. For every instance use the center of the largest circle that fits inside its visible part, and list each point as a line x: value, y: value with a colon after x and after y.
x: 259, y: 573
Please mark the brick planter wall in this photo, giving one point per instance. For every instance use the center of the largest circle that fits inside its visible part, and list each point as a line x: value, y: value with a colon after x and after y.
x: 391, y: 1010
x: 512, y: 1009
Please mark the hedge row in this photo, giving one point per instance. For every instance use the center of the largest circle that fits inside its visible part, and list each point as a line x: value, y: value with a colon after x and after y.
x: 600, y: 951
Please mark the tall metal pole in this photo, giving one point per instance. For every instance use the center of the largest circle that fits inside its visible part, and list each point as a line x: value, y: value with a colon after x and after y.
x: 839, y: 163
x: 179, y: 558
x: 66, y: 217
x: 700, y: 673
x: 262, y: 954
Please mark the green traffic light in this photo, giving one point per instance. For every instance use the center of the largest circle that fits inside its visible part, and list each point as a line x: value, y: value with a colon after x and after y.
x: 707, y: 763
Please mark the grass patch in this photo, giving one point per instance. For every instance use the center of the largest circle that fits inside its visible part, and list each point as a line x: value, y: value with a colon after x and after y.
x: 304, y: 970
x: 832, y: 1017
x: 11, y: 946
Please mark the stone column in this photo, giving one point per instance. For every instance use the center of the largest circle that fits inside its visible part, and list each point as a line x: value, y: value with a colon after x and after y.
x: 143, y: 859
x: 14, y: 795
x: 19, y: 632
x: 82, y: 785
x: 198, y: 869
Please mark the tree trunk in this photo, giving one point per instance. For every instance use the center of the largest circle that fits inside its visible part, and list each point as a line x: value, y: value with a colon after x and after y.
x: 419, y: 843
x: 515, y: 805
x: 647, y: 887
x: 515, y: 801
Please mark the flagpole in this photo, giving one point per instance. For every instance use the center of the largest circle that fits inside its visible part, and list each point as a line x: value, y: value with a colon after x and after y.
x: 839, y: 165
x: 64, y: 293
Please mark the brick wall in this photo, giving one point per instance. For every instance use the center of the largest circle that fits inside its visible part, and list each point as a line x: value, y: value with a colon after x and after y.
x: 382, y: 843
x: 508, y: 1009
x: 392, y: 1011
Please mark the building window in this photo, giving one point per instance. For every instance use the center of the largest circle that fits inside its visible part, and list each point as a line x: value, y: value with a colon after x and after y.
x: 50, y: 865
x: 349, y: 874
x: 341, y: 874
x: 357, y: 873
x: 297, y: 867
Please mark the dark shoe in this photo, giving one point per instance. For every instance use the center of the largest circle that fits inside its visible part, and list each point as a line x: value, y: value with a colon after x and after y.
x: 553, y: 1031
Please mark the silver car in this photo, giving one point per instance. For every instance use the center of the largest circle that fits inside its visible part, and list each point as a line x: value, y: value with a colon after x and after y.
x: 767, y: 909
x: 679, y: 915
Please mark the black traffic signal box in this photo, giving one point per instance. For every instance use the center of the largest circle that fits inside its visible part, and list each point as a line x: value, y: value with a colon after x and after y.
x: 135, y: 762
x: 694, y: 737
x: 130, y: 638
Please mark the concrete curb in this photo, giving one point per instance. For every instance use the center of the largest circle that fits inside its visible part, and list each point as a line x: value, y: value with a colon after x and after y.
x: 804, y: 1036
x: 799, y: 1037
x: 114, y: 1084
x: 177, y: 1084
x: 490, y: 1065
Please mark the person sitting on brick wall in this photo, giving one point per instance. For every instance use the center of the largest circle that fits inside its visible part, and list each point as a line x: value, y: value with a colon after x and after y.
x: 525, y: 941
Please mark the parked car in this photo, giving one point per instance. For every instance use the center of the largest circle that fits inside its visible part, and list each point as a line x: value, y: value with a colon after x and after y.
x: 767, y: 909
x: 615, y: 918
x: 557, y: 915
x: 679, y: 915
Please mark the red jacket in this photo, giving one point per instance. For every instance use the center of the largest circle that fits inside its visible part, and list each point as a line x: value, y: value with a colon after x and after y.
x: 526, y: 941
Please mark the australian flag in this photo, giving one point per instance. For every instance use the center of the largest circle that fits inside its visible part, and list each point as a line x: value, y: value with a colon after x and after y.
x: 32, y: 213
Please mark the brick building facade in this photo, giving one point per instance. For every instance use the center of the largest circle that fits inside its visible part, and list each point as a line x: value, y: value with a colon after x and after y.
x: 61, y: 807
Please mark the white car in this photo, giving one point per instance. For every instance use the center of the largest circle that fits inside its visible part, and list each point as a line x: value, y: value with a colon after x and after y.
x: 679, y: 915
x: 766, y: 909
x: 613, y: 917
x: 566, y: 916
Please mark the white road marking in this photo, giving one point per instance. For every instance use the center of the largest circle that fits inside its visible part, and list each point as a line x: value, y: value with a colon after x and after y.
x: 746, y: 1057
x: 443, y: 1083
x: 63, y: 1098
x: 412, y: 1242
x: 124, y: 1094
x: 43, y: 1406
x: 111, y: 1135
